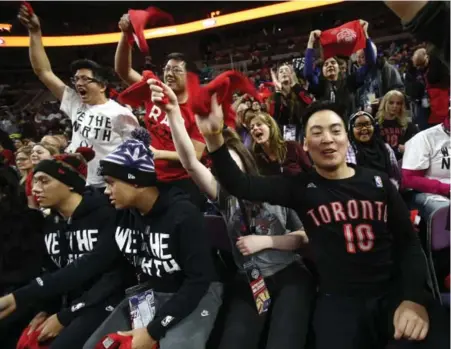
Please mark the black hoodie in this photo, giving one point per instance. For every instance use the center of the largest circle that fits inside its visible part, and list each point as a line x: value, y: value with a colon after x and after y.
x: 168, y: 247
x: 68, y: 240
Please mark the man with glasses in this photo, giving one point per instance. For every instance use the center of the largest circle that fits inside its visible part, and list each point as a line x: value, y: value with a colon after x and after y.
x: 167, y: 162
x: 97, y: 122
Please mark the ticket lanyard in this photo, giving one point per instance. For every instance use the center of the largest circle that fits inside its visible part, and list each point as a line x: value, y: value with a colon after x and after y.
x: 254, y: 276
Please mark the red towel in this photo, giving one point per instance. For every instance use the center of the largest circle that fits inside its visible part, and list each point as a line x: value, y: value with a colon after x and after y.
x: 139, y: 92
x: 343, y: 40
x: 224, y: 85
x: 30, y: 341
x: 116, y: 341
x: 264, y: 90
x: 140, y: 19
x: 28, y: 6
x: 8, y: 156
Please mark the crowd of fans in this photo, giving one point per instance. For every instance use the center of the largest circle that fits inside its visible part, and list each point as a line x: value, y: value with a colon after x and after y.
x: 268, y: 208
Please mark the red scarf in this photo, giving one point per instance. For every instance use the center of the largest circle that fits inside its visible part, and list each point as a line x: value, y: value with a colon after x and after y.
x: 140, y: 19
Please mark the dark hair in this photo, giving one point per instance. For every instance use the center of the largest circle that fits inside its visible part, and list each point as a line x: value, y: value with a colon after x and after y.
x: 98, y: 72
x: 12, y: 198
x: 233, y: 141
x: 178, y: 56
x: 318, y: 106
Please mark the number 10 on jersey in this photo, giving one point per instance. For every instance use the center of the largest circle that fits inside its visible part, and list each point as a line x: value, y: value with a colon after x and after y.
x: 360, y: 237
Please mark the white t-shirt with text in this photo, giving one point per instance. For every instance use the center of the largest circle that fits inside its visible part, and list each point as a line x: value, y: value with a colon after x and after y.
x: 429, y: 150
x: 101, y: 127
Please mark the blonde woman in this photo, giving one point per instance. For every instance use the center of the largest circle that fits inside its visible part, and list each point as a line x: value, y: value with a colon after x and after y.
x: 272, y: 153
x: 392, y: 117
x: 288, y: 102
x: 23, y: 162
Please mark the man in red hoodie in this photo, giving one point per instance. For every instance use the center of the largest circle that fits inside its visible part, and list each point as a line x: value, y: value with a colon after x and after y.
x: 167, y: 161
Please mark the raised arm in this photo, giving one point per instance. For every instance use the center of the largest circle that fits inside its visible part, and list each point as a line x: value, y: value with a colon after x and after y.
x: 309, y: 58
x: 38, y: 57
x: 183, y: 143
x: 370, y: 58
x: 200, y: 174
x: 123, y: 56
x: 278, y: 190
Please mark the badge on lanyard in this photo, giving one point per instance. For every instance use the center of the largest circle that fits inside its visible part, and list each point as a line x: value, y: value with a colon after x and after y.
x: 142, y: 308
x: 425, y: 102
x: 289, y: 132
x: 258, y: 286
x: 254, y: 276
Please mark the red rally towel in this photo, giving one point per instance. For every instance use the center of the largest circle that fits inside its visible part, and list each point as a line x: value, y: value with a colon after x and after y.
x: 140, y: 19
x: 264, y: 90
x: 116, y: 341
x: 139, y: 92
x: 343, y: 40
x: 28, y: 6
x: 224, y: 85
x: 30, y: 341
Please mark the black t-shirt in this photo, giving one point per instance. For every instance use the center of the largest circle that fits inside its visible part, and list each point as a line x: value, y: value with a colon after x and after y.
x: 394, y: 134
x: 359, y: 228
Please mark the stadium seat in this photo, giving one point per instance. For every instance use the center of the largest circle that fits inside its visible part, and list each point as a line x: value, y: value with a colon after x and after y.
x: 438, y: 238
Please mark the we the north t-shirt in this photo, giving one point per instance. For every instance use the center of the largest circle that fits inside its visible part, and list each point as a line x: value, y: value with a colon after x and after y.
x: 101, y: 127
x: 429, y: 150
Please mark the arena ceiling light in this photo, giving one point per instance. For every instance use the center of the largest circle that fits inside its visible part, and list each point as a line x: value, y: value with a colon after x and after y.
x: 192, y: 27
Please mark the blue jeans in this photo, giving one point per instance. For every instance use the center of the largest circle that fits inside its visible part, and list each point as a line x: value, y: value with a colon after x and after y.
x: 427, y: 204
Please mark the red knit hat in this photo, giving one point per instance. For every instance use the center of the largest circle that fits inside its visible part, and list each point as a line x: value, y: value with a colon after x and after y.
x: 140, y: 19
x: 30, y: 341
x: 343, y: 40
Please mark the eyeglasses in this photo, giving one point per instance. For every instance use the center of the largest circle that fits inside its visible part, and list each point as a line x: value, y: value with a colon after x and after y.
x: 175, y: 70
x: 83, y: 79
x: 362, y: 126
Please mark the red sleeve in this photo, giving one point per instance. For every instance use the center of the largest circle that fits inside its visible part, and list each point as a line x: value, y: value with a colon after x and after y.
x: 28, y: 184
x: 413, y: 179
x: 304, y: 160
x: 9, y: 157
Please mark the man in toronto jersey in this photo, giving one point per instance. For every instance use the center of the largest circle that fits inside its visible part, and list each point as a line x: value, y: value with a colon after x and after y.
x: 370, y: 263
